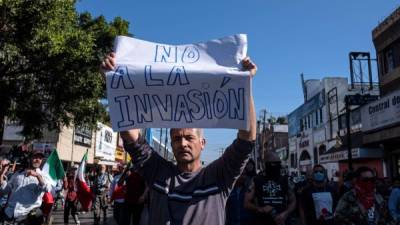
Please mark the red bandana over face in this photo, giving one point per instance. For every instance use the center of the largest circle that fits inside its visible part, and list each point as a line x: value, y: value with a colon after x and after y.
x: 365, y: 192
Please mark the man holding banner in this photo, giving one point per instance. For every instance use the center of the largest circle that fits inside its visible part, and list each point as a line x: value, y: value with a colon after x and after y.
x: 186, y: 193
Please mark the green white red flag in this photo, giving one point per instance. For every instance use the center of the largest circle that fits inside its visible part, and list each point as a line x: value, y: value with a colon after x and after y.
x: 84, y: 193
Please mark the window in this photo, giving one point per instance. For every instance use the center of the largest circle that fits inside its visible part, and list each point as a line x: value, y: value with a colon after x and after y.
x: 320, y: 115
x: 316, y: 117
x: 301, y: 125
x: 389, y: 60
x: 305, y: 123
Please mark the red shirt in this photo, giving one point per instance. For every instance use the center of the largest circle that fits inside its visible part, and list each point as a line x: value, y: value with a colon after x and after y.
x: 70, y: 186
x: 135, y: 187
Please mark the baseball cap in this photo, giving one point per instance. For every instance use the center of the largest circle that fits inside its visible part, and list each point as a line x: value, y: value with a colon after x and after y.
x: 37, y: 152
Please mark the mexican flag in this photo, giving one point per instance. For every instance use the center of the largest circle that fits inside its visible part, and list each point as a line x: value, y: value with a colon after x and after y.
x: 53, y: 169
x: 84, y: 193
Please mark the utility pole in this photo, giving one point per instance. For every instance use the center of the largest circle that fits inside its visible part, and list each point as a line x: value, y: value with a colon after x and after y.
x: 263, y: 135
x: 257, y: 146
x: 349, y: 152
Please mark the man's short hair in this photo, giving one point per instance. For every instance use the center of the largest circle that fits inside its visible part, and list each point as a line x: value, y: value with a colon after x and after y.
x: 319, y: 166
x: 363, y: 169
x: 199, y: 131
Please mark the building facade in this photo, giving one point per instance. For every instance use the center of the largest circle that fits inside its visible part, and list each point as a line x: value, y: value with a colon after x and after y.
x: 381, y: 119
x: 315, y: 127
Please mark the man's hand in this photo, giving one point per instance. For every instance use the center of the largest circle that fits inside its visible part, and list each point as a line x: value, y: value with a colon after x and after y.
x: 281, y: 218
x: 250, y: 66
x: 31, y: 173
x: 5, y: 164
x: 130, y: 136
x: 266, y: 209
x: 108, y: 62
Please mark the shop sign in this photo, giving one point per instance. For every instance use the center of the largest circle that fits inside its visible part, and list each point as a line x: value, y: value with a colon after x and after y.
x: 384, y: 112
x: 305, y: 162
x: 338, y: 156
x: 83, y: 136
x: 12, y: 131
x: 119, y: 154
x: 106, y: 142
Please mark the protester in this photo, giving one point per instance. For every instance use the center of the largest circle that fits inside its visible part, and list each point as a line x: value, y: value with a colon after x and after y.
x: 348, y: 181
x: 394, y: 201
x: 250, y: 171
x: 3, y: 199
x: 101, y: 185
x: 117, y: 195
x: 71, y: 199
x: 136, y: 193
x: 235, y: 210
x: 318, y: 201
x: 187, y: 193
x: 59, y: 195
x: 362, y: 205
x: 25, y: 189
x: 271, y: 195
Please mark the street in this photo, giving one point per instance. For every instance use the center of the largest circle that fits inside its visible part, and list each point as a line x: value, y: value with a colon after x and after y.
x: 85, y: 219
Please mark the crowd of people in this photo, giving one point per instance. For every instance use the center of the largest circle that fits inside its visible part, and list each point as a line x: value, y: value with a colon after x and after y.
x: 257, y: 198
x: 24, y: 190
x: 271, y: 197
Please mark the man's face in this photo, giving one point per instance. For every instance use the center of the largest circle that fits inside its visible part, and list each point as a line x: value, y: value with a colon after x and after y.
x: 36, y: 161
x: 102, y: 169
x: 187, y: 144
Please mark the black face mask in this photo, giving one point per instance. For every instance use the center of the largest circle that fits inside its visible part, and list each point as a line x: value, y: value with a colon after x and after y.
x: 273, y: 170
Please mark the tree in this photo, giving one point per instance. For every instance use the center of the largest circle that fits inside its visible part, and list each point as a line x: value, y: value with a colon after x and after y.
x: 49, y: 64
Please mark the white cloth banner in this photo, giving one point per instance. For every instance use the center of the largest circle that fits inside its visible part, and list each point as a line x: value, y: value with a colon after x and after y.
x: 176, y: 86
x: 323, y: 204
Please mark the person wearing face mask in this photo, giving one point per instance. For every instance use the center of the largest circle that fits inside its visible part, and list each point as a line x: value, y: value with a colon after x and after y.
x: 318, y: 200
x: 270, y: 195
x: 362, y: 205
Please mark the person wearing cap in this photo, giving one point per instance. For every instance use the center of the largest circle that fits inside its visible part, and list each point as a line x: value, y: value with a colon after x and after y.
x: 25, y: 189
x: 270, y: 195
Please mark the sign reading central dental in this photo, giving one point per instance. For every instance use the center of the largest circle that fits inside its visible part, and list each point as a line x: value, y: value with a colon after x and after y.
x: 381, y: 113
x: 176, y: 86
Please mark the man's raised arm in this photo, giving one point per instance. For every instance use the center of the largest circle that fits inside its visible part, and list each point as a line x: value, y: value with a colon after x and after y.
x: 249, y: 135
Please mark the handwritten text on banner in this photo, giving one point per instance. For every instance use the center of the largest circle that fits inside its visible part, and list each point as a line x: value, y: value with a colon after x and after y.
x: 197, y: 85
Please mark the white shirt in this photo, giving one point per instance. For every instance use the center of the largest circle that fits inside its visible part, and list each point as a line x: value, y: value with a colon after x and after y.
x: 25, y: 193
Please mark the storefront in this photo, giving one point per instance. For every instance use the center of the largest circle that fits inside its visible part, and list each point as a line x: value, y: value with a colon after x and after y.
x: 381, y: 126
x: 371, y: 157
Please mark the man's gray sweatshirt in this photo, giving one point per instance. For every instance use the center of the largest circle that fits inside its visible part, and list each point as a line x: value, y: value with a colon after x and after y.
x: 180, y: 198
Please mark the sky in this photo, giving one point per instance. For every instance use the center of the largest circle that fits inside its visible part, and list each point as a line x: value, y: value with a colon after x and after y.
x: 285, y: 38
